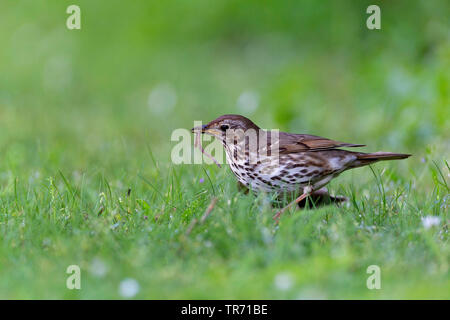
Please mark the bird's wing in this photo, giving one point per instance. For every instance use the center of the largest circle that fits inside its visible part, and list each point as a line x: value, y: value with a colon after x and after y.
x: 291, y: 143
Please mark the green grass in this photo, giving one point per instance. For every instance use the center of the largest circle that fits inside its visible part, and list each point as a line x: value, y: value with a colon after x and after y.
x: 76, y: 134
x: 50, y: 223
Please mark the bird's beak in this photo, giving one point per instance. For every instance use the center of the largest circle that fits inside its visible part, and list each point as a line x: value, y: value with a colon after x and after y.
x: 204, y: 129
x: 201, y: 129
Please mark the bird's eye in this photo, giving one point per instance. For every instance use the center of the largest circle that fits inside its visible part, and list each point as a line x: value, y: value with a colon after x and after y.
x: 224, y: 127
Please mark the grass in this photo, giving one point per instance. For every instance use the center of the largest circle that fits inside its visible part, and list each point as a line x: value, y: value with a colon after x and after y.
x: 85, y: 170
x: 147, y: 234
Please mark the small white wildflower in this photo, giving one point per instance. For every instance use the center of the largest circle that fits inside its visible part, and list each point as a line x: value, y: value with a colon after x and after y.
x: 430, y: 221
x: 128, y: 288
x: 283, y: 281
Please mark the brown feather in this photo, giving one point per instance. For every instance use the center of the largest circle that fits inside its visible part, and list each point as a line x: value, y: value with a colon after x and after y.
x: 291, y: 143
x: 364, y: 159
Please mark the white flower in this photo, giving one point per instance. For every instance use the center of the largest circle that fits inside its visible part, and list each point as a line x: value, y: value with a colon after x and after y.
x: 128, y: 288
x: 430, y: 221
x: 283, y: 281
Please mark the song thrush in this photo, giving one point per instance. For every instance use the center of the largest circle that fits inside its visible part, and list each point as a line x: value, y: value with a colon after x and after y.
x: 273, y: 161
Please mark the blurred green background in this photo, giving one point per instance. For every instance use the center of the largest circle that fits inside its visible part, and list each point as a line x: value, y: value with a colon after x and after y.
x: 92, y: 104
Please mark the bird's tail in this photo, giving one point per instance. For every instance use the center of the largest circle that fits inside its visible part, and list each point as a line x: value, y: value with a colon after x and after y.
x: 364, y: 159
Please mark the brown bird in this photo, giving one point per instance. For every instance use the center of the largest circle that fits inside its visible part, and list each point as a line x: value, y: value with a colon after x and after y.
x: 273, y: 161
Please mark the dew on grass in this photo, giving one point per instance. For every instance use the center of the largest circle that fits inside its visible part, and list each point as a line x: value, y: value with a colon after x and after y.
x: 128, y: 288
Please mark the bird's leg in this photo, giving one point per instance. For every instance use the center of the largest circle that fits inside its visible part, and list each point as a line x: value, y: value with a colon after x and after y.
x: 279, y: 213
x: 306, y: 192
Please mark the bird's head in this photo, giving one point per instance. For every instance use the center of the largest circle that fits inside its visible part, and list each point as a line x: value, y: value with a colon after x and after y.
x: 219, y: 127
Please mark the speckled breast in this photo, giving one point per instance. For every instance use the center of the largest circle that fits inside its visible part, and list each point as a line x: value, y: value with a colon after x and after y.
x: 286, y: 173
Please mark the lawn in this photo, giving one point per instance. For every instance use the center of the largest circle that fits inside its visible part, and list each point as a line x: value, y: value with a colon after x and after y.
x: 86, y: 176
